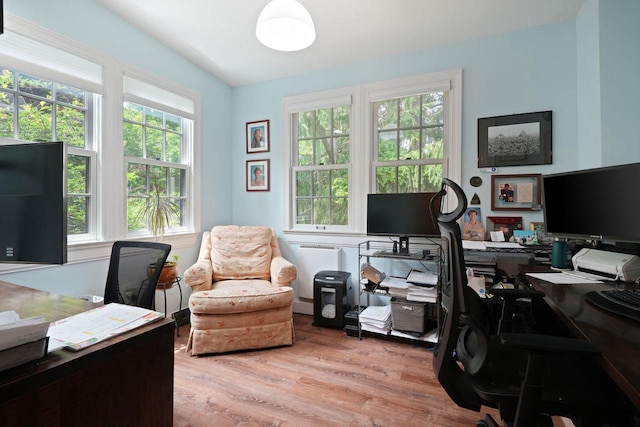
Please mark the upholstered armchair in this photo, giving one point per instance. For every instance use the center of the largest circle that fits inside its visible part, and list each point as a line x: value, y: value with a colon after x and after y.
x: 241, y: 292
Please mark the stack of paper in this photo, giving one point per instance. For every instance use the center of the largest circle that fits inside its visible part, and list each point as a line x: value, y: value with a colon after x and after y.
x: 376, y: 318
x: 422, y: 294
x: 21, y: 341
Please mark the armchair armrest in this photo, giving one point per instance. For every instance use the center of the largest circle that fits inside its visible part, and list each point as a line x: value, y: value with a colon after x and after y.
x: 199, y: 276
x: 282, y: 271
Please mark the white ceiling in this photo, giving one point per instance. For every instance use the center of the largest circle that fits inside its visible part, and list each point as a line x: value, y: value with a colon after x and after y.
x: 219, y: 35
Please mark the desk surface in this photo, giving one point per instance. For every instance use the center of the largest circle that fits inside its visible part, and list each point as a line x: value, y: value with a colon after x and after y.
x: 616, y: 337
x: 71, y: 388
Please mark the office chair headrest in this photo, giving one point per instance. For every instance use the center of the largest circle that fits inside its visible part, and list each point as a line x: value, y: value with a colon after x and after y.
x: 448, y: 217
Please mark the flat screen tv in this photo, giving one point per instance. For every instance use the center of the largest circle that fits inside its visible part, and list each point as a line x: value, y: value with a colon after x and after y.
x: 33, y: 203
x: 401, y: 215
x: 594, y: 204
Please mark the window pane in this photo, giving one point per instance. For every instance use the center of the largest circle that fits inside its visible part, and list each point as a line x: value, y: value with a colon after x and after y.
x: 173, y: 123
x: 35, y: 86
x: 7, y: 107
x: 388, y: 114
x: 136, y: 179
x: 408, y: 181
x: 410, y: 109
x: 339, y: 183
x: 341, y: 120
x: 7, y: 80
x: 305, y: 153
x: 132, y: 140
x: 321, y: 211
x: 70, y: 126
x: 339, y: 211
x: 321, y: 183
x: 409, y: 145
x: 133, y: 112
x: 433, y: 108
x: 343, y: 150
x: 323, y: 122
x: 431, y: 178
x: 153, y: 117
x: 387, y: 146
x: 174, y: 147
x: 34, y: 120
x: 386, y: 179
x: 70, y: 95
x: 303, y: 184
x: 77, y: 215
x: 324, y: 151
x: 77, y: 173
x: 176, y: 180
x: 303, y: 211
x: 433, y: 143
x: 306, y: 121
x: 136, y: 221
x: 153, y: 144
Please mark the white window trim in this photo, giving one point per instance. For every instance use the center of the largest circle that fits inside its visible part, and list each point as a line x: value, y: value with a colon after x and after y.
x: 362, y: 98
x: 110, y: 227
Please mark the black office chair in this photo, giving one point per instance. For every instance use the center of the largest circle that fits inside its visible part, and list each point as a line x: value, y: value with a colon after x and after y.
x: 527, y: 377
x: 134, y: 270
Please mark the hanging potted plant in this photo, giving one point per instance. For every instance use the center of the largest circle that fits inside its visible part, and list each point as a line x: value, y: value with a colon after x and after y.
x: 159, y: 211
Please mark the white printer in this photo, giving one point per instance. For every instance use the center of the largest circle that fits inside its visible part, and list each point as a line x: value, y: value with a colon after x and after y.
x: 613, y: 265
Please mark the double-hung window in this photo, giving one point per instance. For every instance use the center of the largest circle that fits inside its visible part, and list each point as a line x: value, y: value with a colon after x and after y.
x: 394, y: 136
x: 157, y: 140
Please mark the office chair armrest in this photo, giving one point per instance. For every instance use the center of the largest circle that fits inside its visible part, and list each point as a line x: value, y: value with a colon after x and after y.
x: 199, y: 276
x: 548, y: 344
x: 283, y: 272
x: 516, y: 293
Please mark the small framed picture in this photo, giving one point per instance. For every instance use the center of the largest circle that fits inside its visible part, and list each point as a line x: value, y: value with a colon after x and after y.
x: 525, y: 237
x: 515, y: 192
x: 506, y: 224
x: 258, y: 175
x: 258, y: 137
x: 515, y: 140
x: 472, y: 228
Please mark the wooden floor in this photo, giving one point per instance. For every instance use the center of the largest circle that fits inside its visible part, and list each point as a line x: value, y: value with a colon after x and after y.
x: 325, y: 379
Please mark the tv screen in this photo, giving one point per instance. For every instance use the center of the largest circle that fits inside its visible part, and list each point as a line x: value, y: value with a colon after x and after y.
x: 400, y: 215
x: 593, y: 204
x: 33, y: 203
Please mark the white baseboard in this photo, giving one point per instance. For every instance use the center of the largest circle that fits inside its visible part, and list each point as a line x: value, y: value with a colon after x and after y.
x: 302, y: 307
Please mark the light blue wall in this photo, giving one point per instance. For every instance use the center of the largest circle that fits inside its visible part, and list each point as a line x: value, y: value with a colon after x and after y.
x: 620, y: 85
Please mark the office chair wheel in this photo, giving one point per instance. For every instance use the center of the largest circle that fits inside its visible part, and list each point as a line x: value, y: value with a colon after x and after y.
x: 487, y: 422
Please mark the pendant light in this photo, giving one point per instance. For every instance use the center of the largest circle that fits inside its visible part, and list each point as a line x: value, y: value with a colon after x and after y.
x: 285, y: 25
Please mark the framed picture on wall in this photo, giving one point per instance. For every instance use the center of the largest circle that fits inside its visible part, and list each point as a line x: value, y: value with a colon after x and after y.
x: 258, y: 175
x: 515, y: 140
x: 515, y: 192
x: 258, y: 136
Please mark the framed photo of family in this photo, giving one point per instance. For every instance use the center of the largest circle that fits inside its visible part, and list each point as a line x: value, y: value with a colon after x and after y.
x: 515, y: 192
x: 515, y: 140
x: 258, y: 175
x: 258, y: 137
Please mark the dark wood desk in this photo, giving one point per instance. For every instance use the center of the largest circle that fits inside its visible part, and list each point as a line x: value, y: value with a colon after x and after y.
x: 126, y: 380
x: 617, y: 338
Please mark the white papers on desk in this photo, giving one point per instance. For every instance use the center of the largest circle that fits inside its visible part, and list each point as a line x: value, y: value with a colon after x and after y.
x: 91, y: 327
x: 15, y: 332
x: 482, y: 245
x: 562, y: 278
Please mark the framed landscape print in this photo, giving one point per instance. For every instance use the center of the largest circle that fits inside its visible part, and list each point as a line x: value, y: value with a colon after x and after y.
x: 515, y: 140
x: 258, y: 175
x: 257, y: 135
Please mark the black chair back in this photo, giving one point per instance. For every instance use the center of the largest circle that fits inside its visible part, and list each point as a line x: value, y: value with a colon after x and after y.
x: 134, y: 270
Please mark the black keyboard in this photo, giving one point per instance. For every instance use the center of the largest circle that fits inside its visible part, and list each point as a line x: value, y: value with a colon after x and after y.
x: 624, y: 302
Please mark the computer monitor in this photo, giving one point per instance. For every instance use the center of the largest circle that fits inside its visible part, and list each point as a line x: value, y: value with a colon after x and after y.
x: 33, y: 203
x: 401, y: 215
x: 600, y: 204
